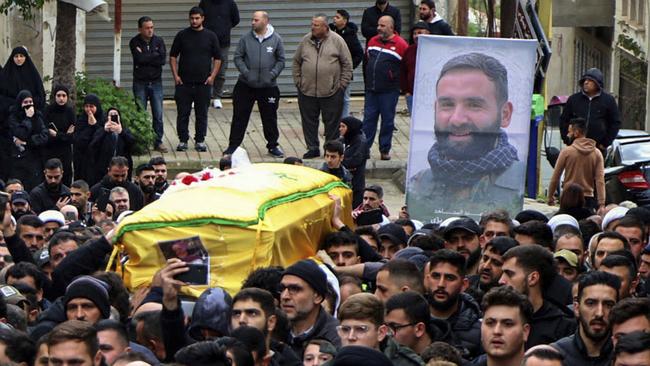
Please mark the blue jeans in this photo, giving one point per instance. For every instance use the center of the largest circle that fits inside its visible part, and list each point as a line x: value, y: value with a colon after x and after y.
x: 346, y: 102
x: 377, y: 104
x: 409, y: 103
x: 153, y: 92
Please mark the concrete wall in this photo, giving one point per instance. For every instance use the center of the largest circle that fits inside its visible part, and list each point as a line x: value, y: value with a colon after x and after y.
x: 561, y: 68
x: 583, y: 13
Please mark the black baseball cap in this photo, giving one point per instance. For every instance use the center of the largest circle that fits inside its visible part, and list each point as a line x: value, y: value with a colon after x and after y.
x: 465, y: 224
x: 393, y: 232
x: 20, y: 197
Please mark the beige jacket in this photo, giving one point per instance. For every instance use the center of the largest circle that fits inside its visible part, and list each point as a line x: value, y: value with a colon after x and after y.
x: 321, y: 72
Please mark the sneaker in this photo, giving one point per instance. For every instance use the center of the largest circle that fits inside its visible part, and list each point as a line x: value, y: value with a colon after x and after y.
x: 310, y: 154
x: 385, y: 156
x: 276, y: 152
x: 182, y: 146
x: 201, y: 147
x: 161, y: 149
x: 217, y: 104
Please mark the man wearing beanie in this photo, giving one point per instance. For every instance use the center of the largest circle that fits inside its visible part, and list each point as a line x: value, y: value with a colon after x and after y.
x: 86, y: 299
x: 302, y: 290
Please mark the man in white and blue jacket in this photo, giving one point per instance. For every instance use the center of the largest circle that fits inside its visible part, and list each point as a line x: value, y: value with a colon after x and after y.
x: 260, y: 59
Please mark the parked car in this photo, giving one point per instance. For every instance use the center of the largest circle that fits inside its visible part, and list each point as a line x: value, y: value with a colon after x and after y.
x: 627, y: 168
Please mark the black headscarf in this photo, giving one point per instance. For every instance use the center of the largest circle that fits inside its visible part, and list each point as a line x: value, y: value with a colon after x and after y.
x: 354, y: 128
x: 99, y: 113
x: 18, y: 106
x: 14, y: 78
x: 61, y: 115
x: 55, y: 106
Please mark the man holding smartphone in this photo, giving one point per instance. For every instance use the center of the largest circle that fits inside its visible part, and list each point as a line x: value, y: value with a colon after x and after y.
x: 52, y: 194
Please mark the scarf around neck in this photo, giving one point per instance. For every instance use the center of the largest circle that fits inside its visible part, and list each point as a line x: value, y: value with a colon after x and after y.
x: 468, y: 172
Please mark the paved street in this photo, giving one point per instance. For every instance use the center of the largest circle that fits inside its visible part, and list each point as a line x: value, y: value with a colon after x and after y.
x: 291, y: 138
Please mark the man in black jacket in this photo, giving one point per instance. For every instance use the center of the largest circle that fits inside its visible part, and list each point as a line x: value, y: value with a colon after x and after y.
x: 303, y: 289
x: 594, y: 105
x: 348, y: 30
x: 436, y: 24
x: 591, y: 344
x: 371, y: 16
x: 51, y: 194
x: 149, y: 52
x: 448, y: 302
x: 220, y: 17
x: 118, y: 170
x: 530, y: 270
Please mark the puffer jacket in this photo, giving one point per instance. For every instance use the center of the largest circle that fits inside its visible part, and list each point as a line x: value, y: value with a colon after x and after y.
x: 260, y: 62
x: 466, y: 325
x: 322, y: 68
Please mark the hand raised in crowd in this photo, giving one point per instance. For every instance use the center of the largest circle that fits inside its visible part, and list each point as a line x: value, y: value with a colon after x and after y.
x: 8, y: 227
x: 337, y: 222
x: 70, y: 129
x: 51, y: 132
x: 170, y: 285
x: 29, y: 112
x: 323, y: 256
x: 62, y: 201
x: 91, y: 118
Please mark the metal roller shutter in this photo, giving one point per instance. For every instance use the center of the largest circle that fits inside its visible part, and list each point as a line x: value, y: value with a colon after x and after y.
x: 290, y: 18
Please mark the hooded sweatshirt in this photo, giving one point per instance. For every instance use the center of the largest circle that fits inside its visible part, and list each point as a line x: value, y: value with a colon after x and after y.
x: 582, y: 164
x: 260, y: 60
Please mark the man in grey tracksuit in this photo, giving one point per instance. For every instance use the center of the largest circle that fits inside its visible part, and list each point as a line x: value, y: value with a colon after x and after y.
x: 260, y: 59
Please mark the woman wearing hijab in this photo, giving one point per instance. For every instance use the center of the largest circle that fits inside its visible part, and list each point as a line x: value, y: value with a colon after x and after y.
x: 29, y: 134
x: 60, y: 118
x: 19, y: 73
x: 114, y: 139
x: 355, y: 156
x: 89, y: 121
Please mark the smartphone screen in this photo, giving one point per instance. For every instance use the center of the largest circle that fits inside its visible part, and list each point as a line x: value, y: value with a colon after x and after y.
x: 114, y: 118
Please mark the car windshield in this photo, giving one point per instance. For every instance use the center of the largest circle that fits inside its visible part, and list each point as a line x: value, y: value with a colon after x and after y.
x: 635, y: 151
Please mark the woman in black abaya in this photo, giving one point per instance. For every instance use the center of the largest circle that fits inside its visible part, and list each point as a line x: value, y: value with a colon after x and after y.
x: 29, y: 135
x: 19, y: 73
x: 60, y: 119
x: 89, y: 121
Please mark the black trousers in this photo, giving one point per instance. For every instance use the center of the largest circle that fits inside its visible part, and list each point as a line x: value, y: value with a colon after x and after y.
x: 185, y: 95
x: 311, y: 108
x: 243, y: 99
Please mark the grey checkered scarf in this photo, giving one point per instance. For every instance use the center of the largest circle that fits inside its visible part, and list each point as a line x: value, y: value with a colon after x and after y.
x: 468, y: 172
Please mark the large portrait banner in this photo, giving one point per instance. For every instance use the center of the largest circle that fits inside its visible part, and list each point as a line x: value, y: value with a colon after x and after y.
x: 469, y: 126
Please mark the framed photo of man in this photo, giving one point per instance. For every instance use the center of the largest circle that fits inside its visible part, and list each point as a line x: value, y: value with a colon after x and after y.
x: 469, y: 126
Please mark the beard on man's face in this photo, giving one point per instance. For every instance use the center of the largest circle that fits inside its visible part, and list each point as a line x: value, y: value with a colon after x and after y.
x: 480, y: 143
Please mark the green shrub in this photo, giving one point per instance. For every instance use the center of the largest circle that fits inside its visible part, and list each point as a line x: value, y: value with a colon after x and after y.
x: 136, y: 119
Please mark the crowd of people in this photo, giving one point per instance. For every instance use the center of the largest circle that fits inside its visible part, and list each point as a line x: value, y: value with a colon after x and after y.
x: 523, y: 290
x: 570, y: 289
